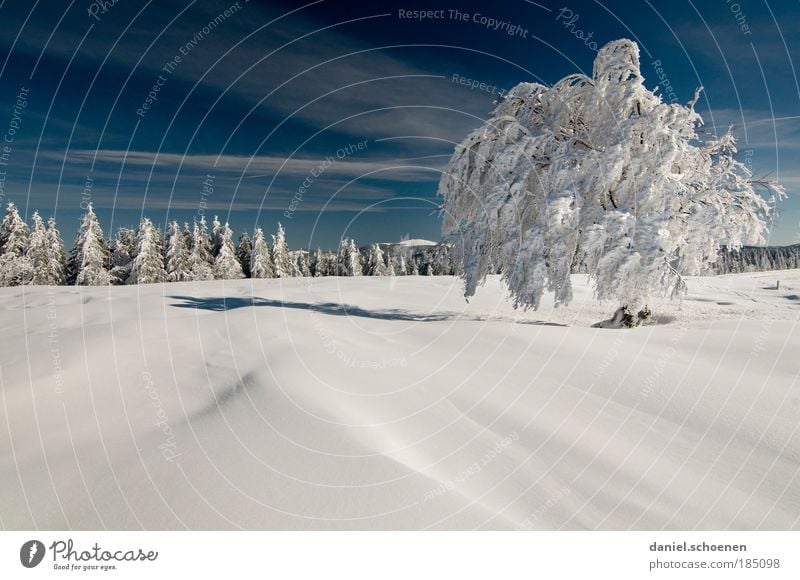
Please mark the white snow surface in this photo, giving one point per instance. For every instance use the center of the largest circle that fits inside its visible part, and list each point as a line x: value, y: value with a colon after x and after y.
x: 390, y: 403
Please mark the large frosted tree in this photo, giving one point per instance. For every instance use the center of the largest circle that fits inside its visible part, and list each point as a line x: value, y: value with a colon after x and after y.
x: 597, y: 172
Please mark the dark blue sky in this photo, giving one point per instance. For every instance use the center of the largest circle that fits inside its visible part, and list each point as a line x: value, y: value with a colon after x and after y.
x: 261, y: 95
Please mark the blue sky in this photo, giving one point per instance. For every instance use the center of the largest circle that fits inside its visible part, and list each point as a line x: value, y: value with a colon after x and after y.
x: 349, y: 104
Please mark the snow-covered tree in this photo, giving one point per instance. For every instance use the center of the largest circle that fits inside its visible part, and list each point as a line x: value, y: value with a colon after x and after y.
x: 148, y: 265
x: 300, y: 263
x: 316, y: 264
x: 123, y: 250
x: 323, y: 264
x: 57, y: 259
x: 376, y: 263
x: 38, y: 253
x: 226, y: 264
x: 348, y: 261
x: 442, y: 261
x: 261, y: 265
x: 89, y: 260
x: 244, y: 250
x: 200, y: 260
x: 15, y: 266
x: 412, y: 266
x: 281, y: 261
x: 597, y: 171
x: 398, y: 261
x: 178, y: 265
x: 216, y: 236
x: 14, y: 232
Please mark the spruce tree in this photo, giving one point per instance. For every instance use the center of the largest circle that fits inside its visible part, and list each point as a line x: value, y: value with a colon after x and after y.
x: 57, y: 259
x: 244, y: 250
x: 261, y: 263
x: 88, y: 265
x: 38, y: 254
x: 280, y: 254
x: 148, y: 265
x: 200, y: 260
x: 226, y: 264
x: 178, y: 266
x: 122, y: 252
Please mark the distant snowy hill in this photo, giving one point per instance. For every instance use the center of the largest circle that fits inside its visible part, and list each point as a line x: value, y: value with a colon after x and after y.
x: 412, y: 243
x: 390, y: 403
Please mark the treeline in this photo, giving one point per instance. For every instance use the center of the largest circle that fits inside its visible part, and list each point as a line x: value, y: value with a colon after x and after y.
x: 757, y: 259
x: 35, y: 255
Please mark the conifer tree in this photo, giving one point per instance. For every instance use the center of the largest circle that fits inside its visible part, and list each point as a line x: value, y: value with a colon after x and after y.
x: 178, y: 266
x: 57, y: 259
x: 148, y: 265
x: 122, y: 252
x: 38, y: 254
x: 226, y: 264
x: 244, y: 251
x: 261, y: 263
x: 89, y: 260
x: 376, y: 264
x: 280, y: 254
x: 200, y: 260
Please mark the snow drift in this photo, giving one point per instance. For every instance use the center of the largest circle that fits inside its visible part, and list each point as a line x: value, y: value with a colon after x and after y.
x: 389, y: 403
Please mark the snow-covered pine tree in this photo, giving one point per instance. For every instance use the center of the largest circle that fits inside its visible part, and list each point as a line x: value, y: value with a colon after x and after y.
x: 148, y: 265
x: 244, y: 251
x: 412, y: 267
x: 187, y: 236
x: 226, y: 264
x: 598, y: 171
x: 200, y: 261
x: 280, y: 254
x: 376, y: 264
x: 356, y: 266
x: 216, y: 236
x: 15, y: 266
x: 343, y: 258
x: 178, y: 266
x: 317, y: 267
x: 38, y: 254
x: 304, y: 264
x: 14, y: 232
x: 443, y: 261
x: 261, y: 264
x: 89, y: 260
x: 122, y: 252
x: 399, y: 263
x: 57, y: 259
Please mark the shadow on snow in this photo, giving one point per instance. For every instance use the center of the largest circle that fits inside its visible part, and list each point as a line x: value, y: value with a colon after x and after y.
x: 233, y: 302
